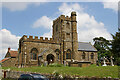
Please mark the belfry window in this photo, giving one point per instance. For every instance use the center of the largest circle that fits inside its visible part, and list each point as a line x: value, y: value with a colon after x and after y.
x: 92, y: 56
x: 83, y: 55
x: 68, y: 54
x: 68, y: 35
x: 33, y: 54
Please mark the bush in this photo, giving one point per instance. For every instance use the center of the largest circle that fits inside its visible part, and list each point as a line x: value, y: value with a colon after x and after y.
x: 93, y: 65
x: 55, y: 65
x: 56, y: 74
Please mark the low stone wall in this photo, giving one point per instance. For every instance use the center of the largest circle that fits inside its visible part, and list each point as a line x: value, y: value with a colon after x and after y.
x: 16, y: 75
x: 13, y: 74
x: 79, y: 64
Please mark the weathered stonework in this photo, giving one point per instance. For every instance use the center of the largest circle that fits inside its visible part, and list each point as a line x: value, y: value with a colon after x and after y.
x: 10, y: 59
x: 63, y: 46
x: 9, y: 63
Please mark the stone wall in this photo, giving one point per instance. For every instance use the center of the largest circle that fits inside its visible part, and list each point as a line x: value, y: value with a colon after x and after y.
x: 28, y: 45
x: 9, y: 63
x: 79, y: 64
x: 16, y: 74
x: 87, y: 56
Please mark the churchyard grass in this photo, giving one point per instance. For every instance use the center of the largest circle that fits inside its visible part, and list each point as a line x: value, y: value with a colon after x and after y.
x: 91, y: 71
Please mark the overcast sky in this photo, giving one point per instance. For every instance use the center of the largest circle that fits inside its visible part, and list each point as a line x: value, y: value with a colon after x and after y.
x: 94, y: 19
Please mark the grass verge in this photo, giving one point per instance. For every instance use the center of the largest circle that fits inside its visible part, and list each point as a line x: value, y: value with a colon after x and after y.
x: 91, y: 71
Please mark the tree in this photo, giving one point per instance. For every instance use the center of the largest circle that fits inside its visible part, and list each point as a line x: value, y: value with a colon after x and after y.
x: 116, y: 47
x: 103, y: 46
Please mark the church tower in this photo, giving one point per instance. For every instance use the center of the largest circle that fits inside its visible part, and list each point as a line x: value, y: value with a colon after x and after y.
x: 65, y: 32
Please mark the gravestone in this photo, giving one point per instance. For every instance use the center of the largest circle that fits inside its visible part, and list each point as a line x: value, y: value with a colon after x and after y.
x: 111, y: 59
x: 104, y: 63
x: 45, y: 63
x: 97, y: 62
x: 64, y: 63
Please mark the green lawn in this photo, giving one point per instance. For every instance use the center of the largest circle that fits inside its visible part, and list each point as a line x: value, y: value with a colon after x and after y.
x: 108, y: 71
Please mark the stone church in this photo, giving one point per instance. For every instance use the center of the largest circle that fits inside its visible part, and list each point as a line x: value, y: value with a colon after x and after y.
x: 62, y: 48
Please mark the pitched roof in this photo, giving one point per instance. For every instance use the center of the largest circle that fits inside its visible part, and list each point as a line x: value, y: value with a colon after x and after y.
x: 4, y: 60
x: 13, y: 53
x: 84, y: 46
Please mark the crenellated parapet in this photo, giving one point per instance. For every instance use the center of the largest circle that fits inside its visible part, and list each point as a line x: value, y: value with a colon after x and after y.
x: 62, y: 18
x: 36, y: 39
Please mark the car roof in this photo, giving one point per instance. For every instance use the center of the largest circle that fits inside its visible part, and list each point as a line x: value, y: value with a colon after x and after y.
x: 35, y: 75
x: 30, y: 74
x: 25, y: 74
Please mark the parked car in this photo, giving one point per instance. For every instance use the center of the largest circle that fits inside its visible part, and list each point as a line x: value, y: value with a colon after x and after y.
x: 32, y: 77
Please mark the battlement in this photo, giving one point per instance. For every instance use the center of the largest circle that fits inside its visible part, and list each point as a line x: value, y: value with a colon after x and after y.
x: 62, y: 18
x: 73, y: 13
x: 36, y: 39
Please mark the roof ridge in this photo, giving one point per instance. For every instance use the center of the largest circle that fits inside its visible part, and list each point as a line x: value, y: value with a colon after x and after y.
x: 83, y: 42
x: 11, y: 50
x: 93, y: 46
x: 86, y: 46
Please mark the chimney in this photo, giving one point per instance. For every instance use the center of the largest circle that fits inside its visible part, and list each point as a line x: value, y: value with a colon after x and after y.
x: 9, y: 49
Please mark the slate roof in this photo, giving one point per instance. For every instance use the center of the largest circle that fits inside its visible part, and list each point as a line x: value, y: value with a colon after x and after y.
x: 84, y: 46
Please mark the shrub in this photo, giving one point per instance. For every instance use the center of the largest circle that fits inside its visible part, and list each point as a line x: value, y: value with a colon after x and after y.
x: 56, y: 74
x: 55, y: 65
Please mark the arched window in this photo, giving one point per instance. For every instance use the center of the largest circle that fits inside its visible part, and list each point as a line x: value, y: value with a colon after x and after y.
x: 92, y: 56
x: 57, y: 51
x: 83, y: 55
x: 68, y: 54
x: 33, y: 55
